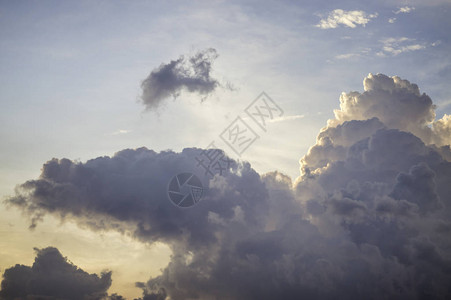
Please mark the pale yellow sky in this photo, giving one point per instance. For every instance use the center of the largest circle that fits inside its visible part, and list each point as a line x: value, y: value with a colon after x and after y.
x: 130, y: 260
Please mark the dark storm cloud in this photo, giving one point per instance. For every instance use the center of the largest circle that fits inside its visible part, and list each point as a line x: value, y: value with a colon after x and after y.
x: 191, y: 73
x: 128, y: 192
x: 52, y: 277
x: 369, y: 218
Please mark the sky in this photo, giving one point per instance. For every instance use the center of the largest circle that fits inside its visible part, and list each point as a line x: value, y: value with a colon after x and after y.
x: 103, y: 102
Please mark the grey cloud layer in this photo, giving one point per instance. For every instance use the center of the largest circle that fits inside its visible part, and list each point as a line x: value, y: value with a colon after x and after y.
x: 369, y: 217
x: 191, y: 73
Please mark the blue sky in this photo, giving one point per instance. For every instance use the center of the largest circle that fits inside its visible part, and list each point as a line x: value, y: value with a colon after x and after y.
x: 70, y: 76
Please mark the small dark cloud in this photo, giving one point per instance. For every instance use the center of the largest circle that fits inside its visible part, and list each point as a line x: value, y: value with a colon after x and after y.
x: 53, y: 277
x: 190, y: 73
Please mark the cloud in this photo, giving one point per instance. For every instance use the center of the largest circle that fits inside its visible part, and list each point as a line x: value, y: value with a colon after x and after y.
x: 369, y: 217
x: 398, y: 104
x: 120, y: 131
x: 287, y: 118
x: 346, y: 56
x: 190, y: 73
x: 362, y: 52
x: 347, y: 18
x: 52, y: 276
x: 396, y: 46
x: 441, y: 131
x: 436, y: 43
x: 371, y: 173
x: 394, y: 101
x: 405, y: 10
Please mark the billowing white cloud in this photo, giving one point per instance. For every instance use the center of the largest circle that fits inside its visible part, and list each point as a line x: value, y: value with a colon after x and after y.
x: 369, y: 217
x: 441, y: 131
x: 397, y: 103
x: 350, y: 19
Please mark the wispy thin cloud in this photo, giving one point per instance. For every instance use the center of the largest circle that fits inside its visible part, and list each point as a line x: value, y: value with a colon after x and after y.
x: 404, y: 10
x: 396, y: 46
x: 444, y: 103
x: 350, y: 55
x: 121, y: 131
x: 346, y: 55
x: 287, y: 118
x: 350, y: 19
x: 436, y: 43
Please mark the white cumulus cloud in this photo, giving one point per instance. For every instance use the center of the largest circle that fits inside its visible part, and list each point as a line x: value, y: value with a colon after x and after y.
x: 350, y: 19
